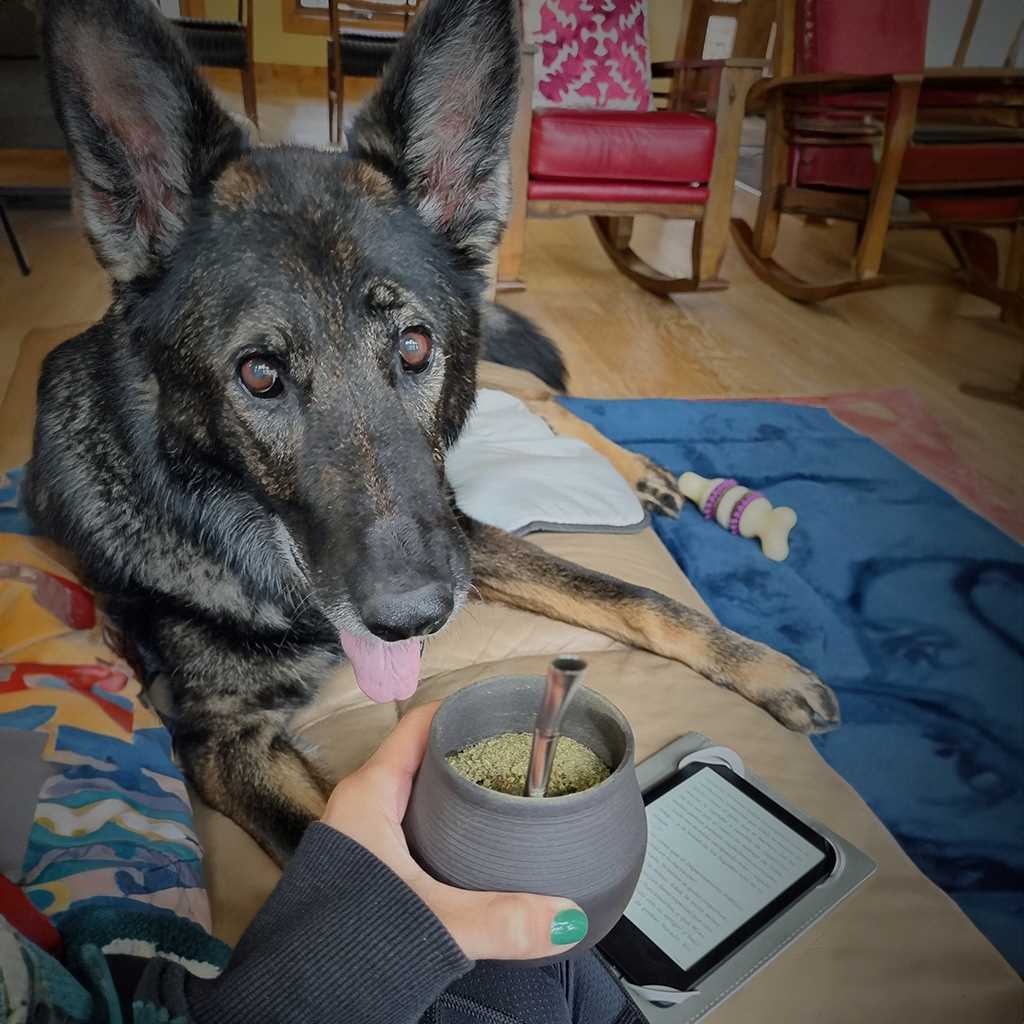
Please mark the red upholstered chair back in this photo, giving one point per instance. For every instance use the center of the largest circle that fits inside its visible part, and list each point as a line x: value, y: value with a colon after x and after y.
x: 860, y: 36
x: 852, y: 37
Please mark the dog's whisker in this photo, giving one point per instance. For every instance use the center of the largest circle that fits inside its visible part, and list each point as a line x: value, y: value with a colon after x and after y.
x: 294, y: 619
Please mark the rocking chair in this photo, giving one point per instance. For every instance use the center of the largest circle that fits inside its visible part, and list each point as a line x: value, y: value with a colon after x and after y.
x: 675, y: 162
x: 855, y: 120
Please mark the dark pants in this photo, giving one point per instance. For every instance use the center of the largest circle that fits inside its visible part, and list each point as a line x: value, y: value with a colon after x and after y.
x: 577, y: 991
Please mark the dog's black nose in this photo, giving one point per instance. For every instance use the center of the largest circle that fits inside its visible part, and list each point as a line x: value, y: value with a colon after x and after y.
x: 404, y: 614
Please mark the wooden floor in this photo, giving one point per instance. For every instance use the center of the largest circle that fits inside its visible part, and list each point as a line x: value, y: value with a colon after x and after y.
x: 620, y: 341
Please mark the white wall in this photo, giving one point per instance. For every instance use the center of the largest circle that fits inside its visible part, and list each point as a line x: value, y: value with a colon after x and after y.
x: 996, y: 25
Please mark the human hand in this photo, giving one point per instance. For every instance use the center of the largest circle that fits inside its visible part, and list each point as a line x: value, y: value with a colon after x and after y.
x: 368, y: 807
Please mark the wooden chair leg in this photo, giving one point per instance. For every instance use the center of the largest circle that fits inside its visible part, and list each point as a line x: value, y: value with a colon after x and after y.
x: 1013, y: 281
x: 773, y: 178
x: 734, y: 84
x: 509, y: 264
x: 510, y: 252
x: 899, y: 126
x: 976, y: 252
x: 696, y: 244
x: 249, y: 94
x: 620, y: 232
x: 330, y: 115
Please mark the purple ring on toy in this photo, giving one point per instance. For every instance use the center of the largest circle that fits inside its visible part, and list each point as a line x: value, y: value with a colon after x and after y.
x: 741, y: 507
x: 711, y: 505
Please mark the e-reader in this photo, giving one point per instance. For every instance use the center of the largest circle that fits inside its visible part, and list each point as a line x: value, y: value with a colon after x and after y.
x: 724, y: 860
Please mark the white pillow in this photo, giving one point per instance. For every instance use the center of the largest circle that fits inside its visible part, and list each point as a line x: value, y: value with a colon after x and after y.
x: 510, y: 470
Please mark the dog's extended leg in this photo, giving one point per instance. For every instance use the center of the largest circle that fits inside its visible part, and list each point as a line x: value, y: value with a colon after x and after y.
x: 232, y: 709
x: 657, y: 489
x: 516, y: 573
x: 249, y: 768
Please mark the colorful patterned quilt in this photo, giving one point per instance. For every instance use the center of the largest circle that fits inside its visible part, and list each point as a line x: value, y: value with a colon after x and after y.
x: 96, y: 812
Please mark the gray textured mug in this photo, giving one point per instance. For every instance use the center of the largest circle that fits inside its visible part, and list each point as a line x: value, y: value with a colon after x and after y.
x: 588, y: 847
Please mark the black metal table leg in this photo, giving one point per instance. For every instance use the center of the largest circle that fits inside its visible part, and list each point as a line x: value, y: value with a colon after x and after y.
x: 19, y: 254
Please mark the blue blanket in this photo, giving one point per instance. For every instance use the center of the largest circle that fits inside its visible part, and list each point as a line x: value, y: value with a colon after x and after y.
x: 910, y: 605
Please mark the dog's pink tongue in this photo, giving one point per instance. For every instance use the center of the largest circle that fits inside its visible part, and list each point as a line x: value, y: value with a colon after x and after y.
x: 383, y: 671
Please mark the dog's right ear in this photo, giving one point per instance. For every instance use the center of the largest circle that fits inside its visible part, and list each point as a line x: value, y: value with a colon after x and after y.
x: 440, y: 123
x: 144, y: 131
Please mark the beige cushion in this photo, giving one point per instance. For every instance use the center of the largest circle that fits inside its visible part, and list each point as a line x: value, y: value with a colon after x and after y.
x: 898, y: 950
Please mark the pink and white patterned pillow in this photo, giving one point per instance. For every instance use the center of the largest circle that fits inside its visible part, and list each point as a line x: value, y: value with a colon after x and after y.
x: 591, y: 54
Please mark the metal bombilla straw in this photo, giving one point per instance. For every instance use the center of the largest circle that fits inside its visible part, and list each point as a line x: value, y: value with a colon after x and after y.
x: 563, y: 677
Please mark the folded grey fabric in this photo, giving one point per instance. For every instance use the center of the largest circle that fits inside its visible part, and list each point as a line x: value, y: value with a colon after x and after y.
x: 509, y: 469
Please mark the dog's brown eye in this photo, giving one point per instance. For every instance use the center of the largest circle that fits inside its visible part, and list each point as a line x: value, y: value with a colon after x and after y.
x: 261, y: 377
x: 415, y: 346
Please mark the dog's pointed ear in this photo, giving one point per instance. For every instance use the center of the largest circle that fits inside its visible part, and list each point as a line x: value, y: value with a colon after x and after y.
x: 144, y: 131
x: 440, y: 123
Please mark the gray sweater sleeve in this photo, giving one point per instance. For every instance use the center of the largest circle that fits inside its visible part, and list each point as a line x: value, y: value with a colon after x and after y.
x: 341, y: 939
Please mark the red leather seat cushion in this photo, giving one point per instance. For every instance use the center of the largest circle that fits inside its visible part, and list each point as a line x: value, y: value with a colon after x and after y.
x: 853, y: 167
x: 604, y: 191
x: 621, y: 146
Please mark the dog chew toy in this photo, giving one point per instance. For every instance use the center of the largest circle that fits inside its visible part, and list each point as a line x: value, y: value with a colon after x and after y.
x: 742, y: 511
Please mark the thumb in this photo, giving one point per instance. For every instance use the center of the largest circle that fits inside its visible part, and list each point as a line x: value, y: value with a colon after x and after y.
x: 510, y: 925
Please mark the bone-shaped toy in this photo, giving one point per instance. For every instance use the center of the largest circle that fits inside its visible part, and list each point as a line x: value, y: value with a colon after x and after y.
x: 742, y: 511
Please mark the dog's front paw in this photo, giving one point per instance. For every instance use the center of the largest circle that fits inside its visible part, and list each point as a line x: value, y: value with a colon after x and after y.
x: 657, y: 489
x: 802, y: 703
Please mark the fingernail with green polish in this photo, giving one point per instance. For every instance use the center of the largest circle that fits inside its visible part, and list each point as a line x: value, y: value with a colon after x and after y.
x: 569, y: 926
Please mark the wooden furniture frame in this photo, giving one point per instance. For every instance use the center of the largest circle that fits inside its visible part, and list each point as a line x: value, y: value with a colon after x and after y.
x: 249, y: 73
x: 385, y: 17
x: 971, y: 94
x: 194, y: 12
x: 717, y: 88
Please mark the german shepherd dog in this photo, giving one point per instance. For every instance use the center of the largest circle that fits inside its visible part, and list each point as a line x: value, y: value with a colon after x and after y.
x: 246, y: 454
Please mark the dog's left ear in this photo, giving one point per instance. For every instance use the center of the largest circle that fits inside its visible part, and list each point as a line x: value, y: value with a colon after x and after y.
x: 146, y: 135
x: 441, y: 121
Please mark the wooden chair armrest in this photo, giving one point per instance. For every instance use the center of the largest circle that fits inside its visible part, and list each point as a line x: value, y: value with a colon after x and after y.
x: 665, y: 68
x: 973, y: 78
x: 986, y: 85
x: 796, y: 85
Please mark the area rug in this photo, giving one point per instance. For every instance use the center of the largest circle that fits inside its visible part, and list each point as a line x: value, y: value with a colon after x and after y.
x: 909, y: 603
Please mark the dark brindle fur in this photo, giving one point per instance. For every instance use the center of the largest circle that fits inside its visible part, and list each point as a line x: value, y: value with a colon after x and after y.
x: 236, y: 538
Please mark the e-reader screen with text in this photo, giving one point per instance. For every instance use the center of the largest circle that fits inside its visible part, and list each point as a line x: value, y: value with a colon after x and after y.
x: 715, y: 860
